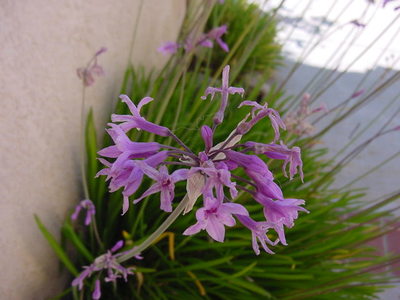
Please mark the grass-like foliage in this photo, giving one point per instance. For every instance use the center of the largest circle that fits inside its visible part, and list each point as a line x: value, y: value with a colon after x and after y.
x: 327, y: 256
x: 247, y: 24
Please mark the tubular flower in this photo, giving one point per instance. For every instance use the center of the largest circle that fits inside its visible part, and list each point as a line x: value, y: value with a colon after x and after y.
x: 107, y: 262
x: 281, y: 152
x: 296, y: 122
x: 213, y: 216
x: 165, y: 183
x: 225, y: 90
x: 280, y: 212
x: 136, y: 120
x: 210, y: 174
x: 168, y: 48
x: 205, y: 40
x: 90, y: 211
x: 259, y: 112
x: 258, y: 233
x: 93, y: 69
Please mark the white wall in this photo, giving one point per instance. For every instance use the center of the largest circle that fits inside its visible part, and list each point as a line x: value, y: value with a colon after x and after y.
x: 42, y: 44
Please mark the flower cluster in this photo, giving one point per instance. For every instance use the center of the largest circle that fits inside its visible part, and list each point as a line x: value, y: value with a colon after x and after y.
x: 108, y: 262
x: 92, y: 69
x: 296, y: 122
x: 212, y: 173
x: 205, y: 40
x: 90, y: 211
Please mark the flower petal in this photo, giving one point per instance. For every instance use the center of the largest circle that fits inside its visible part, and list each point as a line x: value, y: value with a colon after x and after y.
x: 215, y: 229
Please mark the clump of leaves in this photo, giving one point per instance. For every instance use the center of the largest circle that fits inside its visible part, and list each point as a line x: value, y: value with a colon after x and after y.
x: 249, y: 25
x: 326, y: 258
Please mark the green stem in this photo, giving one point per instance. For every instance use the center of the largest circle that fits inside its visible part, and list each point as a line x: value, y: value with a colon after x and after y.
x: 155, y: 235
x: 82, y: 131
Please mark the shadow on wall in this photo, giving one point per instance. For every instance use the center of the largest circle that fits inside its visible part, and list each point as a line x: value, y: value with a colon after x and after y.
x: 379, y: 110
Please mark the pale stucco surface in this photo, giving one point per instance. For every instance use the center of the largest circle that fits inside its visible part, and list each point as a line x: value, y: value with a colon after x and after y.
x: 42, y: 44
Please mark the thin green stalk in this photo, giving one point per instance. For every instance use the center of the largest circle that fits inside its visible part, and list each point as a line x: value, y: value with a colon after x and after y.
x: 160, y: 230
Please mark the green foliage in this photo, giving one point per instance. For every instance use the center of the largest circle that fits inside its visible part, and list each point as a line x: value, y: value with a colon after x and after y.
x: 255, y: 30
x: 326, y: 258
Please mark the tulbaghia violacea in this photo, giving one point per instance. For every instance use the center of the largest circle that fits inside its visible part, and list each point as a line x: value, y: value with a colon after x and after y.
x: 205, y: 40
x: 211, y: 173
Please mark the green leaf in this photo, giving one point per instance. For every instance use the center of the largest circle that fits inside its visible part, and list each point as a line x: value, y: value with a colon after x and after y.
x: 70, y: 234
x: 91, y: 151
x: 56, y: 247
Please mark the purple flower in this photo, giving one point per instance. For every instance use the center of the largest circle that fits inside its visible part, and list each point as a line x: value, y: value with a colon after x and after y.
x: 108, y: 262
x: 128, y: 175
x: 92, y: 69
x: 206, y: 40
x: 125, y: 147
x: 97, y: 291
x: 216, y: 179
x: 258, y: 171
x: 254, y: 166
x: 258, y: 232
x: 225, y: 90
x: 136, y: 120
x: 165, y: 184
x: 259, y: 112
x: 169, y: 48
x: 213, y: 216
x: 208, y: 173
x: 215, y: 34
x: 296, y: 122
x: 207, y: 135
x: 282, y: 152
x: 281, y: 212
x: 90, y: 211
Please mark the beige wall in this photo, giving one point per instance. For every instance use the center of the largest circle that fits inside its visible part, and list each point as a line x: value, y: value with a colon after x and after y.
x: 42, y: 44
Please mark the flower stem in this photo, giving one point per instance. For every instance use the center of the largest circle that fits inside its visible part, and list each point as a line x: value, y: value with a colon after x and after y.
x: 156, y: 234
x: 171, y: 134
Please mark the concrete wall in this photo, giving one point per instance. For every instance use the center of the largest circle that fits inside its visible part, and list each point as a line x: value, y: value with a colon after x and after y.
x: 42, y: 44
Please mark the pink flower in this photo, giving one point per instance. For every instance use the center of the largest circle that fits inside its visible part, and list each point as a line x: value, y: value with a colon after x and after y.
x: 136, y: 120
x: 128, y: 175
x: 206, y: 40
x: 90, y: 211
x: 258, y: 112
x: 215, y: 34
x: 216, y: 179
x: 165, y: 184
x: 169, y: 48
x: 207, y: 135
x: 281, y: 212
x: 225, y: 90
x: 125, y: 147
x: 97, y: 291
x: 296, y: 122
x: 274, y: 151
x: 108, y: 262
x: 213, y: 216
x: 258, y: 232
x: 92, y: 69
